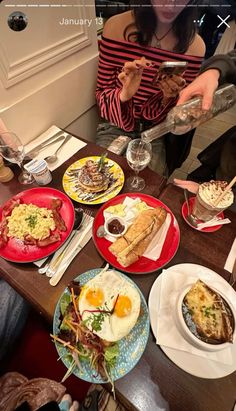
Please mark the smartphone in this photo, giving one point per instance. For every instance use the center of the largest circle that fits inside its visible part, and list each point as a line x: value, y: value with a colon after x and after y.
x: 169, y: 68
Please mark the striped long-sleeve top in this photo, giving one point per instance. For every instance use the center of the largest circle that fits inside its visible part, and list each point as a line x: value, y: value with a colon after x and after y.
x: 146, y: 103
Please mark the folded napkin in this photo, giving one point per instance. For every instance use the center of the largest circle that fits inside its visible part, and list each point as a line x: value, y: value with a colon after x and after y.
x: 131, y: 211
x: 214, y: 222
x: 154, y: 249
x: 68, y: 150
x: 168, y: 333
x: 77, y: 244
x: 231, y: 259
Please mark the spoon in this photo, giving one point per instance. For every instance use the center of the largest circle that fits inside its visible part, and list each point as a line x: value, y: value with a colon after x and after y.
x: 78, y: 220
x: 191, y: 219
x: 101, y: 231
x: 52, y: 158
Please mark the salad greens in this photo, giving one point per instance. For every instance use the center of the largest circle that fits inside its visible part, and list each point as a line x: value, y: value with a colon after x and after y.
x: 81, y: 343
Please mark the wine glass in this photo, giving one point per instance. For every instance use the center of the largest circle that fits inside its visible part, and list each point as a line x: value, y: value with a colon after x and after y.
x: 12, y: 149
x: 138, y: 156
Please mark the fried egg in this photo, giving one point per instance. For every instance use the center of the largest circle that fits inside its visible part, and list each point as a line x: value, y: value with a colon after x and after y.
x: 105, y: 292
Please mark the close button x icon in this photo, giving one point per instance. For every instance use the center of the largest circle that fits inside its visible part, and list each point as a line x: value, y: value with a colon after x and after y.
x: 223, y: 21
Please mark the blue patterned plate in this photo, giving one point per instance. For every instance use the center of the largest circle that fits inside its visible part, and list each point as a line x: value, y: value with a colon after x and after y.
x: 131, y: 347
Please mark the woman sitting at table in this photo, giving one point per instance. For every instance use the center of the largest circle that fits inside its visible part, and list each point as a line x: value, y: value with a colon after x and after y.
x: 133, y: 46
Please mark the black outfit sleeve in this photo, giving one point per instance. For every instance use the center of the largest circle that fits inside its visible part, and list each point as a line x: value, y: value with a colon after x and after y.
x: 226, y: 64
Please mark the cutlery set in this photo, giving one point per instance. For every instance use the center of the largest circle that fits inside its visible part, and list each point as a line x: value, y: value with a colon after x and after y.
x: 59, y: 262
x: 58, y: 137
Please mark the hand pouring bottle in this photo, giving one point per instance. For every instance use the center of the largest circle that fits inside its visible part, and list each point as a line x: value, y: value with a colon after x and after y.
x: 190, y: 115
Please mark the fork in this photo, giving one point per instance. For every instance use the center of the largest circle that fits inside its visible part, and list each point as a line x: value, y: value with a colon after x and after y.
x: 51, y: 269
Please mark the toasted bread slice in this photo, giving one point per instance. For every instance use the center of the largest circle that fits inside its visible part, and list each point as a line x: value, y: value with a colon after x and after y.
x: 134, y: 242
x: 118, y: 246
x: 129, y: 259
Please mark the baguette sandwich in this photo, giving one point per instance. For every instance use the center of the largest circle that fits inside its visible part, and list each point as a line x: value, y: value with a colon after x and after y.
x: 134, y: 242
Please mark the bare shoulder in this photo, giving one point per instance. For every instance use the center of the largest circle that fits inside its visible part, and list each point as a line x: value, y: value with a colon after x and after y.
x: 197, y: 47
x: 115, y: 25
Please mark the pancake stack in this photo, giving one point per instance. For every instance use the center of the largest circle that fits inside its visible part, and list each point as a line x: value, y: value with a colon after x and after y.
x: 93, y: 178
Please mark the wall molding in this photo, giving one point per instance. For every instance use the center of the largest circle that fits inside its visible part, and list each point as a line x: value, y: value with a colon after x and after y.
x: 13, y: 73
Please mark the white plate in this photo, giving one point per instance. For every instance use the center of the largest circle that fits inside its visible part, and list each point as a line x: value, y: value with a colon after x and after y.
x: 195, y: 365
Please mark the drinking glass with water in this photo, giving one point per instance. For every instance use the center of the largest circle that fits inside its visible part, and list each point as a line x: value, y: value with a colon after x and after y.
x: 12, y: 149
x: 138, y: 156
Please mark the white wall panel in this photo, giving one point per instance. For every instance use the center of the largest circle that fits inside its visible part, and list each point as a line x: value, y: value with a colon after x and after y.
x: 48, y: 70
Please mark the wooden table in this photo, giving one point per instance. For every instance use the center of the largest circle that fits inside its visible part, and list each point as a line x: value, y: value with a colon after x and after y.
x: 25, y: 278
x: 154, y: 371
x: 183, y: 391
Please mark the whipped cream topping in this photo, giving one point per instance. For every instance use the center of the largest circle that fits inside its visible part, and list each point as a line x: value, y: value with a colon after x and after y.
x: 211, y: 190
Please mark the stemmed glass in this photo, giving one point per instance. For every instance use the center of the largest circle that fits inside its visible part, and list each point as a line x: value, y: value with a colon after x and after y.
x: 138, y: 155
x: 12, y: 149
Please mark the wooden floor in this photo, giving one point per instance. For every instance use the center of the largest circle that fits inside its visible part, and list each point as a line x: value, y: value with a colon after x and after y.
x: 205, y: 135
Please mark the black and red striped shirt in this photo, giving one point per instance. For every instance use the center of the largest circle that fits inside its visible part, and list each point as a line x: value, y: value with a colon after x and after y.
x: 146, y: 103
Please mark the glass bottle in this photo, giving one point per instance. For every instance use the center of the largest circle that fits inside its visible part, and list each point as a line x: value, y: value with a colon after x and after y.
x: 190, y: 115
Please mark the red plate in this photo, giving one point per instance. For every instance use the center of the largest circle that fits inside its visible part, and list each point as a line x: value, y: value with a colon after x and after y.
x: 143, y: 265
x: 15, y: 250
x: 204, y: 230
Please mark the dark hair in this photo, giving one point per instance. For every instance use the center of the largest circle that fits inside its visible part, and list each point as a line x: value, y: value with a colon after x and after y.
x: 146, y: 24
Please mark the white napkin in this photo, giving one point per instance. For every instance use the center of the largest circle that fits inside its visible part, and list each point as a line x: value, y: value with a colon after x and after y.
x: 130, y: 214
x: 214, y: 222
x: 167, y: 332
x: 38, y: 263
x: 154, y: 249
x: 76, y: 245
x: 67, y: 151
x: 231, y: 258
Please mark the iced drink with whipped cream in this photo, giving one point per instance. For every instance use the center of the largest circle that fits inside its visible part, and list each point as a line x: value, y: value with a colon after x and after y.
x: 205, y: 207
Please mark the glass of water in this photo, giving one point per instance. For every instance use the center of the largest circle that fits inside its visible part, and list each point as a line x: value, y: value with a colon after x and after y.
x: 12, y: 149
x: 138, y: 155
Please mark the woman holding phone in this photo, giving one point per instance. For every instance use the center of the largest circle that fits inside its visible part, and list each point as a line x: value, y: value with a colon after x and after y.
x: 133, y: 46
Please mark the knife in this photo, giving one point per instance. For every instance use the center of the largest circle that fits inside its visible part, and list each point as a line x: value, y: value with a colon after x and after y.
x: 84, y: 238
x: 70, y: 243
x: 50, y: 140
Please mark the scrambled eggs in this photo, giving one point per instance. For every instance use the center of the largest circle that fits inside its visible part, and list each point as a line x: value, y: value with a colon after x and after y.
x: 30, y: 219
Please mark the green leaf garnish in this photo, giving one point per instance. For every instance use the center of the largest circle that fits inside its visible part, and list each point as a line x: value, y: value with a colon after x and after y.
x: 64, y: 302
x: 32, y: 221
x: 111, y: 354
x: 102, y: 161
x: 95, y: 321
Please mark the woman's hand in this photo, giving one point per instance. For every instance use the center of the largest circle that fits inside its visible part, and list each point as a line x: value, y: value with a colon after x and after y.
x: 191, y: 186
x: 131, y: 76
x: 204, y: 85
x: 170, y: 85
